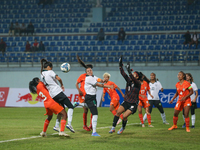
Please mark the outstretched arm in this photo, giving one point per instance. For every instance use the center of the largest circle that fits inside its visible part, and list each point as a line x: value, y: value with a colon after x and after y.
x: 136, y: 82
x: 122, y: 70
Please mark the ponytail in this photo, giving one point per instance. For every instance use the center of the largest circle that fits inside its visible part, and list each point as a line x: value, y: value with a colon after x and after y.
x: 146, y: 79
x: 45, y: 64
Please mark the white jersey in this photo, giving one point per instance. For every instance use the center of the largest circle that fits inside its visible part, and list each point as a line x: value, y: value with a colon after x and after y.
x: 48, y: 77
x: 90, y: 85
x: 154, y: 89
x: 194, y: 87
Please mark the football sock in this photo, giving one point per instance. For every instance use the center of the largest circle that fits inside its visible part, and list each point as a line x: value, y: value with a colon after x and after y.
x: 141, y: 119
x: 84, y: 119
x: 46, y: 124
x: 175, y: 119
x: 58, y: 121
x: 115, y: 121
x: 193, y: 119
x: 121, y: 116
x: 187, y: 122
x: 149, y: 119
x: 90, y: 119
x: 163, y: 117
x: 114, y: 112
x: 145, y: 117
x: 94, y: 123
x: 70, y: 114
x: 124, y: 123
x: 62, y: 126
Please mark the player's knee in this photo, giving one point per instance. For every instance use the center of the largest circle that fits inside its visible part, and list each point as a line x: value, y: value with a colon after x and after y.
x: 49, y: 118
x: 85, y: 110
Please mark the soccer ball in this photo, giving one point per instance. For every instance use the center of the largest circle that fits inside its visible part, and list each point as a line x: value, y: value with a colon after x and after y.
x: 65, y: 67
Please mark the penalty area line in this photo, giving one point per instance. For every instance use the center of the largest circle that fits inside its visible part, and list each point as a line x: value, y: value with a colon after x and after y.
x: 34, y: 137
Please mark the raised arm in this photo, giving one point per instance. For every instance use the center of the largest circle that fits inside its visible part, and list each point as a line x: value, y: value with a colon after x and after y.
x: 122, y: 70
x: 136, y: 82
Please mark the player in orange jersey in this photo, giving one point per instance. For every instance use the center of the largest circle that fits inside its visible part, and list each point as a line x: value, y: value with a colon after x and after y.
x: 36, y: 86
x: 81, y: 96
x: 143, y: 101
x: 114, y: 103
x: 184, y: 91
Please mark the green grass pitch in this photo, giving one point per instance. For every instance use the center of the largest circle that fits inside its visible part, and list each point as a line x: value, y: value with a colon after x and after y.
x: 27, y: 123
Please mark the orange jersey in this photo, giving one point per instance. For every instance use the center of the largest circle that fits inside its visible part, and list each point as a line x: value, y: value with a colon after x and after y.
x: 81, y: 80
x: 44, y: 93
x: 143, y: 90
x: 112, y: 92
x: 183, y: 90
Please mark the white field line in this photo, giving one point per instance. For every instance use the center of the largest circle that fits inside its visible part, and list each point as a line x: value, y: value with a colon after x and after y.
x: 33, y: 137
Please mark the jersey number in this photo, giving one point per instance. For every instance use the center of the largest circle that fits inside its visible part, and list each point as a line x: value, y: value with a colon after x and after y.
x: 43, y: 96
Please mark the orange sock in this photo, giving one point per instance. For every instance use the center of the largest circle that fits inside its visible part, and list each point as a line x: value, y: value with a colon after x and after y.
x: 46, y: 124
x: 114, y: 112
x: 175, y: 119
x: 187, y: 122
x: 149, y: 119
x: 62, y: 125
x: 141, y: 118
x: 121, y: 116
x: 84, y: 119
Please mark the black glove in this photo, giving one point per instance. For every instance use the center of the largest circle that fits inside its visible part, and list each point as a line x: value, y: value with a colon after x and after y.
x: 128, y: 68
x: 120, y: 62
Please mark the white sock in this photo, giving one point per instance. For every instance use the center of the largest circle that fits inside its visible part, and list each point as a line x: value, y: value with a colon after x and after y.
x: 184, y: 118
x: 70, y: 114
x: 193, y: 119
x: 94, y: 123
x: 163, y: 117
x: 145, y: 117
x: 83, y: 105
x: 57, y: 125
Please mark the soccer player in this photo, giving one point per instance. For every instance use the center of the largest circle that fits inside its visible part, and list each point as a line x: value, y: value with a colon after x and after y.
x: 36, y: 86
x: 193, y: 97
x: 91, y: 83
x: 49, y: 78
x: 143, y: 101
x: 81, y: 96
x: 155, y: 87
x: 184, y: 91
x: 129, y: 105
x: 114, y: 103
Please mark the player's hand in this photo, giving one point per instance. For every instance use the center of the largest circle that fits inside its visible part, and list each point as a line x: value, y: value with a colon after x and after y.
x: 103, y: 99
x: 80, y: 93
x: 128, y: 68
x: 63, y: 88
x: 183, y: 99
x: 120, y: 61
x: 194, y: 100
x: 170, y: 102
x: 151, y: 96
x: 143, y: 96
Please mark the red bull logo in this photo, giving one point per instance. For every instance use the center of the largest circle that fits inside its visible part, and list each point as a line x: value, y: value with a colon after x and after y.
x: 30, y: 98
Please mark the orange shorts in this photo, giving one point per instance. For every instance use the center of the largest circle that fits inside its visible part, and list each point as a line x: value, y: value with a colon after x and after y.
x: 81, y: 98
x: 55, y: 108
x: 144, y: 103
x: 115, y: 103
x: 180, y: 105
